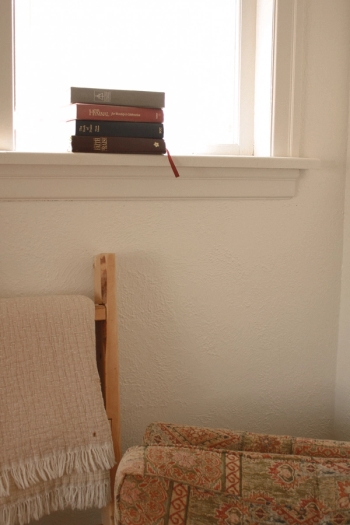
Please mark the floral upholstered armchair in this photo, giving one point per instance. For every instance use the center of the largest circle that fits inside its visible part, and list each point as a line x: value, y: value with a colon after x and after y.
x: 199, y: 476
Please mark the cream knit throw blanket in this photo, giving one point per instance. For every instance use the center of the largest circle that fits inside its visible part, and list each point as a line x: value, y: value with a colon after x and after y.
x: 55, y: 440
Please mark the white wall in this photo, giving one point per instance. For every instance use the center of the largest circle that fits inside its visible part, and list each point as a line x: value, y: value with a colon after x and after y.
x: 228, y: 311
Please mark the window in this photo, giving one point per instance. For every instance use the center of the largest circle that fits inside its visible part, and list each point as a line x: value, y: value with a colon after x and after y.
x: 202, y: 54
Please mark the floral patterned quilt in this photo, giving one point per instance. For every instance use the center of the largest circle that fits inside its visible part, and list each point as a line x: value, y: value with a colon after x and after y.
x: 199, y: 476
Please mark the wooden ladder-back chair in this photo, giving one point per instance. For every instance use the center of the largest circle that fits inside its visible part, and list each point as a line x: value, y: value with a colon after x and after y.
x: 107, y: 355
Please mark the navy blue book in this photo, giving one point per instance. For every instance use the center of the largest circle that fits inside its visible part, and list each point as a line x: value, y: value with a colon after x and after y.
x: 103, y: 128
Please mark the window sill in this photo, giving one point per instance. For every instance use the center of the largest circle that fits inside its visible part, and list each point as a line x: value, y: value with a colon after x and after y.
x: 80, y: 176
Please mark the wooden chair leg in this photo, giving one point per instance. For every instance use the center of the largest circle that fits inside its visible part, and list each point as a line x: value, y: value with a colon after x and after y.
x: 107, y: 357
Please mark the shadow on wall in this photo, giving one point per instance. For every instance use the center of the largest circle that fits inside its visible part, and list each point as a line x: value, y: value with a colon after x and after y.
x: 179, y: 364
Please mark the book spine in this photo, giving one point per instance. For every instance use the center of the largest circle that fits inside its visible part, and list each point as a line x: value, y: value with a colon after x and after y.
x: 116, y: 113
x: 147, y: 99
x: 117, y: 145
x: 118, y: 129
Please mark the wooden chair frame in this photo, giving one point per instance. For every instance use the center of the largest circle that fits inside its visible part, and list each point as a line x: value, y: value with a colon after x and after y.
x: 107, y: 355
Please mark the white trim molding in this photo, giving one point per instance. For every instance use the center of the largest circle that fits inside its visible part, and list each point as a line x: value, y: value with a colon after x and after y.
x: 89, y: 176
x: 7, y: 76
x: 287, y: 77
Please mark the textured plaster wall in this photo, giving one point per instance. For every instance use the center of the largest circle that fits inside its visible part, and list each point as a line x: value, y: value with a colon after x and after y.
x: 228, y: 310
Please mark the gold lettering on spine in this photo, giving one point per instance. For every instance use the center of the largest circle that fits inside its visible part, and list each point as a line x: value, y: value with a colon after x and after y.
x: 97, y: 143
x: 100, y: 143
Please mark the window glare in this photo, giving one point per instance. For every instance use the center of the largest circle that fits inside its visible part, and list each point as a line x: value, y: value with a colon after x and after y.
x: 188, y: 49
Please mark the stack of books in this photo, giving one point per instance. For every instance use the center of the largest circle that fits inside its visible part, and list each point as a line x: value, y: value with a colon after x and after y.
x: 116, y: 121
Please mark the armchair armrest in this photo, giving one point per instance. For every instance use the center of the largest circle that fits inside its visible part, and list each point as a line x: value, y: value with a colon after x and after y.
x: 177, y: 485
x: 168, y: 434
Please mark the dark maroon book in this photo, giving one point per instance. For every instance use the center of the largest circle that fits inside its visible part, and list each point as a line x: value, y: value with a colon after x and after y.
x: 142, y: 146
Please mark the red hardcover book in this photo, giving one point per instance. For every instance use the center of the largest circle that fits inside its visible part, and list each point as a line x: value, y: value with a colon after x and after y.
x: 83, y: 144
x: 116, y: 113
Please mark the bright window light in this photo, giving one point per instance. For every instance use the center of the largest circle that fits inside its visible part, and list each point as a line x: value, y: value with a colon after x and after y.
x: 190, y: 49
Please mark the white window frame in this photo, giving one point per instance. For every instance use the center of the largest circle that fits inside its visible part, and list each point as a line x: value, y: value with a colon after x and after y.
x: 287, y: 78
x: 278, y: 97
x: 283, y: 120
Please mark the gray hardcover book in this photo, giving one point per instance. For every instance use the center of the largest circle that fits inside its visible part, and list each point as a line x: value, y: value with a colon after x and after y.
x: 117, y: 97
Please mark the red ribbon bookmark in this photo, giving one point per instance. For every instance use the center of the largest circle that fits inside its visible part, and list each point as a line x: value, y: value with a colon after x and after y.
x: 171, y: 162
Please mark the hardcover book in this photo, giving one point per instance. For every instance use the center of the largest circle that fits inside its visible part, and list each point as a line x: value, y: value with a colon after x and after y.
x: 116, y: 129
x: 117, y: 145
x: 107, y: 112
x: 147, y: 99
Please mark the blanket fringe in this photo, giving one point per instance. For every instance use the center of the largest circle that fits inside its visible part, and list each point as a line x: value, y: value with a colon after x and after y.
x: 94, y: 494
x: 30, y: 472
x: 4, y: 483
